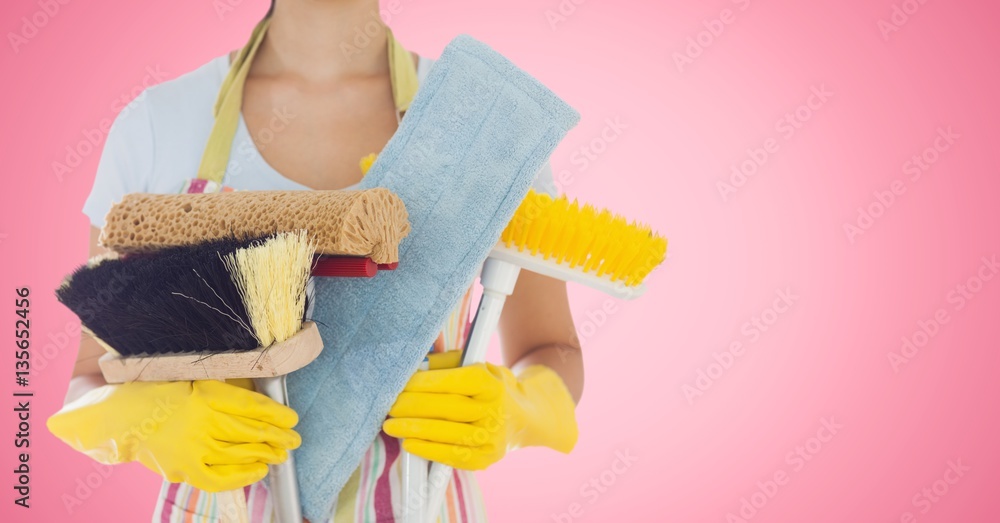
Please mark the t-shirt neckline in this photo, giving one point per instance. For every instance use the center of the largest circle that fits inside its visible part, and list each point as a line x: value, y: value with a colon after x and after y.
x: 252, y: 152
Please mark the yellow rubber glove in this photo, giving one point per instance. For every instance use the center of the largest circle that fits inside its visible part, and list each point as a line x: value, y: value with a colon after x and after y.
x: 208, y: 434
x: 469, y: 417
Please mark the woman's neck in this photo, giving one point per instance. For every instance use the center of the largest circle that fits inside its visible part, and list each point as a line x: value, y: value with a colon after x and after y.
x: 324, y: 40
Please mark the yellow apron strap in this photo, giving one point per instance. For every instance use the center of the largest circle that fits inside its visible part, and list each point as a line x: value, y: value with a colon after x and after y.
x: 227, y: 110
x: 402, y: 72
x: 229, y: 103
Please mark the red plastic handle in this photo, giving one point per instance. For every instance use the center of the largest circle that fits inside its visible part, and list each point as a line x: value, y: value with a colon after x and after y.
x: 345, y: 266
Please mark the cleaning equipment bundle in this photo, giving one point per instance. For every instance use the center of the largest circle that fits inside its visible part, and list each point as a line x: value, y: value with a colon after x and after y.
x: 462, y: 160
x: 223, y: 292
x: 474, y: 137
x: 562, y: 240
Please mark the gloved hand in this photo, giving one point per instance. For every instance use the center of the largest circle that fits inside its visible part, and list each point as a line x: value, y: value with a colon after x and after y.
x: 469, y: 417
x: 208, y: 434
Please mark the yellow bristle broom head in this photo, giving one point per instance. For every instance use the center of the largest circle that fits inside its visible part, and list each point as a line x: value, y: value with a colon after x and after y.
x: 585, y: 238
x: 271, y: 277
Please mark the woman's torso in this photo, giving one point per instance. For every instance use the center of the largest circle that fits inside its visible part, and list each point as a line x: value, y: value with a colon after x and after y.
x: 181, y: 117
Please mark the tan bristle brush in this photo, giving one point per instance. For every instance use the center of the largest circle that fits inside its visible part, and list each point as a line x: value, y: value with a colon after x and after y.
x: 357, y: 233
x: 217, y: 290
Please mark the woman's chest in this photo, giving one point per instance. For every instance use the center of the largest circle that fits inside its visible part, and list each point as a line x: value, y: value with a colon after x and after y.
x: 315, y: 137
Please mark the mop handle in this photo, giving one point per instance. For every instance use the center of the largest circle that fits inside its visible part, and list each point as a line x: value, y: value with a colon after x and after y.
x: 414, y: 481
x: 282, y: 484
x: 498, y: 279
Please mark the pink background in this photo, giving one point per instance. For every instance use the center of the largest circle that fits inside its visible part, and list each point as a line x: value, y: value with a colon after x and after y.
x: 826, y: 356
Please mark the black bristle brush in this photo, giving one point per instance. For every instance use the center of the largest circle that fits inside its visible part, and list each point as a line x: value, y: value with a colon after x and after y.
x: 169, y: 301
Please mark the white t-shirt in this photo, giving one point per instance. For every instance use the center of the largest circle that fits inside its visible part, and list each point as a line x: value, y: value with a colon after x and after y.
x: 156, y: 143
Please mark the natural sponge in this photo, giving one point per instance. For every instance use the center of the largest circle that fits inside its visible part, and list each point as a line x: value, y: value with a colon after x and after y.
x: 369, y: 222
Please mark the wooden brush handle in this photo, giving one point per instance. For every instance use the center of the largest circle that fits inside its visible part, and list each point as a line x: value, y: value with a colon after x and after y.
x: 277, y: 360
x: 232, y: 506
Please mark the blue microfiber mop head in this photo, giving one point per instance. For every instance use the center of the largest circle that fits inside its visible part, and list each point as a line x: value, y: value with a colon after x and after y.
x: 462, y: 160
